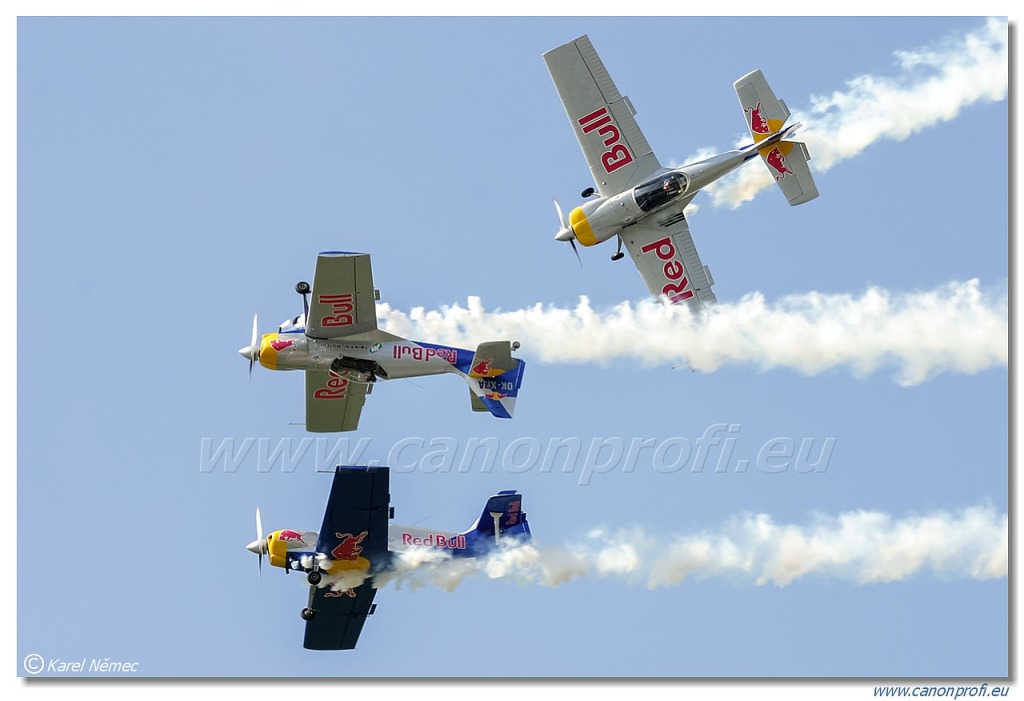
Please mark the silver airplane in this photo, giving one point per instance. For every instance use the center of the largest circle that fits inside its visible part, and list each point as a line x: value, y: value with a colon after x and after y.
x: 337, y: 343
x: 639, y: 201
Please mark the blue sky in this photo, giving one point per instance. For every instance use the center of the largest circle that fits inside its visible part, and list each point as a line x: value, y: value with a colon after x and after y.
x: 176, y: 176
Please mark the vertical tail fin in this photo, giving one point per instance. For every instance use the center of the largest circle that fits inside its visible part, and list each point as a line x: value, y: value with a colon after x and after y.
x: 786, y: 160
x: 494, y: 378
x: 504, y: 510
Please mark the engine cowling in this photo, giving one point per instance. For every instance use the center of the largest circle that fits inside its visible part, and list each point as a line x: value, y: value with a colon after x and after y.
x: 280, y: 542
x: 282, y: 351
x: 599, y: 220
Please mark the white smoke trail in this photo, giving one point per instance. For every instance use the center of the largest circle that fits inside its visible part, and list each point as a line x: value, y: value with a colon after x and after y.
x: 865, y: 547
x: 955, y: 328
x: 934, y: 85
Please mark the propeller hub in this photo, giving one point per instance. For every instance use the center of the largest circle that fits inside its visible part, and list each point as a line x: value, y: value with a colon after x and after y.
x: 250, y: 353
x: 257, y: 547
x: 564, y: 234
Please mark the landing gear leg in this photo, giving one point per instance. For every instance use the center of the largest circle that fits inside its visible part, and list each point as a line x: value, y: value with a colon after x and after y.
x: 618, y: 252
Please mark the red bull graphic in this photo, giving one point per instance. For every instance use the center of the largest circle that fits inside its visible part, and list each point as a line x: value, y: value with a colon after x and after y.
x: 436, y: 540
x: 674, y: 271
x: 337, y: 387
x: 758, y: 123
x: 449, y: 355
x: 349, y: 547
x: 496, y: 396
x: 777, y: 162
x: 278, y: 345
x: 482, y: 368
x: 341, y: 310
x: 287, y: 536
x: 337, y: 594
x: 617, y: 154
x: 512, y: 513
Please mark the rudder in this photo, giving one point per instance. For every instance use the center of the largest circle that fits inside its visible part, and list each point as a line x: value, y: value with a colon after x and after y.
x: 494, y: 379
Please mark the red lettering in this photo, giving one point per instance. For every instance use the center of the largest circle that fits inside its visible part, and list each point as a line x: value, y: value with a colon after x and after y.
x: 674, y: 270
x: 610, y: 129
x: 615, y: 158
x: 677, y: 293
x: 663, y: 248
x: 425, y: 354
x: 335, y: 389
x: 341, y: 306
x: 591, y: 117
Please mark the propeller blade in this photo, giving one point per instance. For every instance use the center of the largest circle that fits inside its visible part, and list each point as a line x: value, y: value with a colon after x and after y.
x: 252, y: 351
x: 259, y: 539
x: 565, y: 233
x: 575, y: 250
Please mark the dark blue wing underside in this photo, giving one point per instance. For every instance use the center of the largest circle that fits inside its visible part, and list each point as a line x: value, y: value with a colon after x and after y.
x: 355, y: 533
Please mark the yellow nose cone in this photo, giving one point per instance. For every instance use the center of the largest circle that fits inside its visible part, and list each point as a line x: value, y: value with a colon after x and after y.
x: 268, y: 353
x: 581, y: 227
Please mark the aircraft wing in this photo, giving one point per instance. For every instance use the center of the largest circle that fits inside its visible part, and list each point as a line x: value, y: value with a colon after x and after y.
x: 354, y: 536
x: 663, y: 251
x: 343, y: 296
x: 339, y: 617
x: 333, y: 402
x: 616, y: 150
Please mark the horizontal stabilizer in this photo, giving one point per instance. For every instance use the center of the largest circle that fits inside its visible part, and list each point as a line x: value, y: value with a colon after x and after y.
x: 765, y: 113
x: 786, y: 160
x: 492, y: 359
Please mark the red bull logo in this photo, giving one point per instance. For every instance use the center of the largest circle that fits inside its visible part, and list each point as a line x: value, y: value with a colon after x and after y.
x: 449, y: 355
x: 278, y: 345
x: 676, y: 289
x: 512, y: 513
x: 336, y: 387
x: 777, y: 162
x: 287, y: 536
x: 435, y: 540
x: 482, y: 368
x: 758, y: 123
x: 341, y: 308
x: 617, y: 154
x: 496, y: 396
x: 337, y: 594
x: 349, y: 547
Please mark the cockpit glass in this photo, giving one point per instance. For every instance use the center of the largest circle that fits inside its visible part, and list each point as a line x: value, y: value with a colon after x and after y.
x: 660, y: 191
x: 294, y: 324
